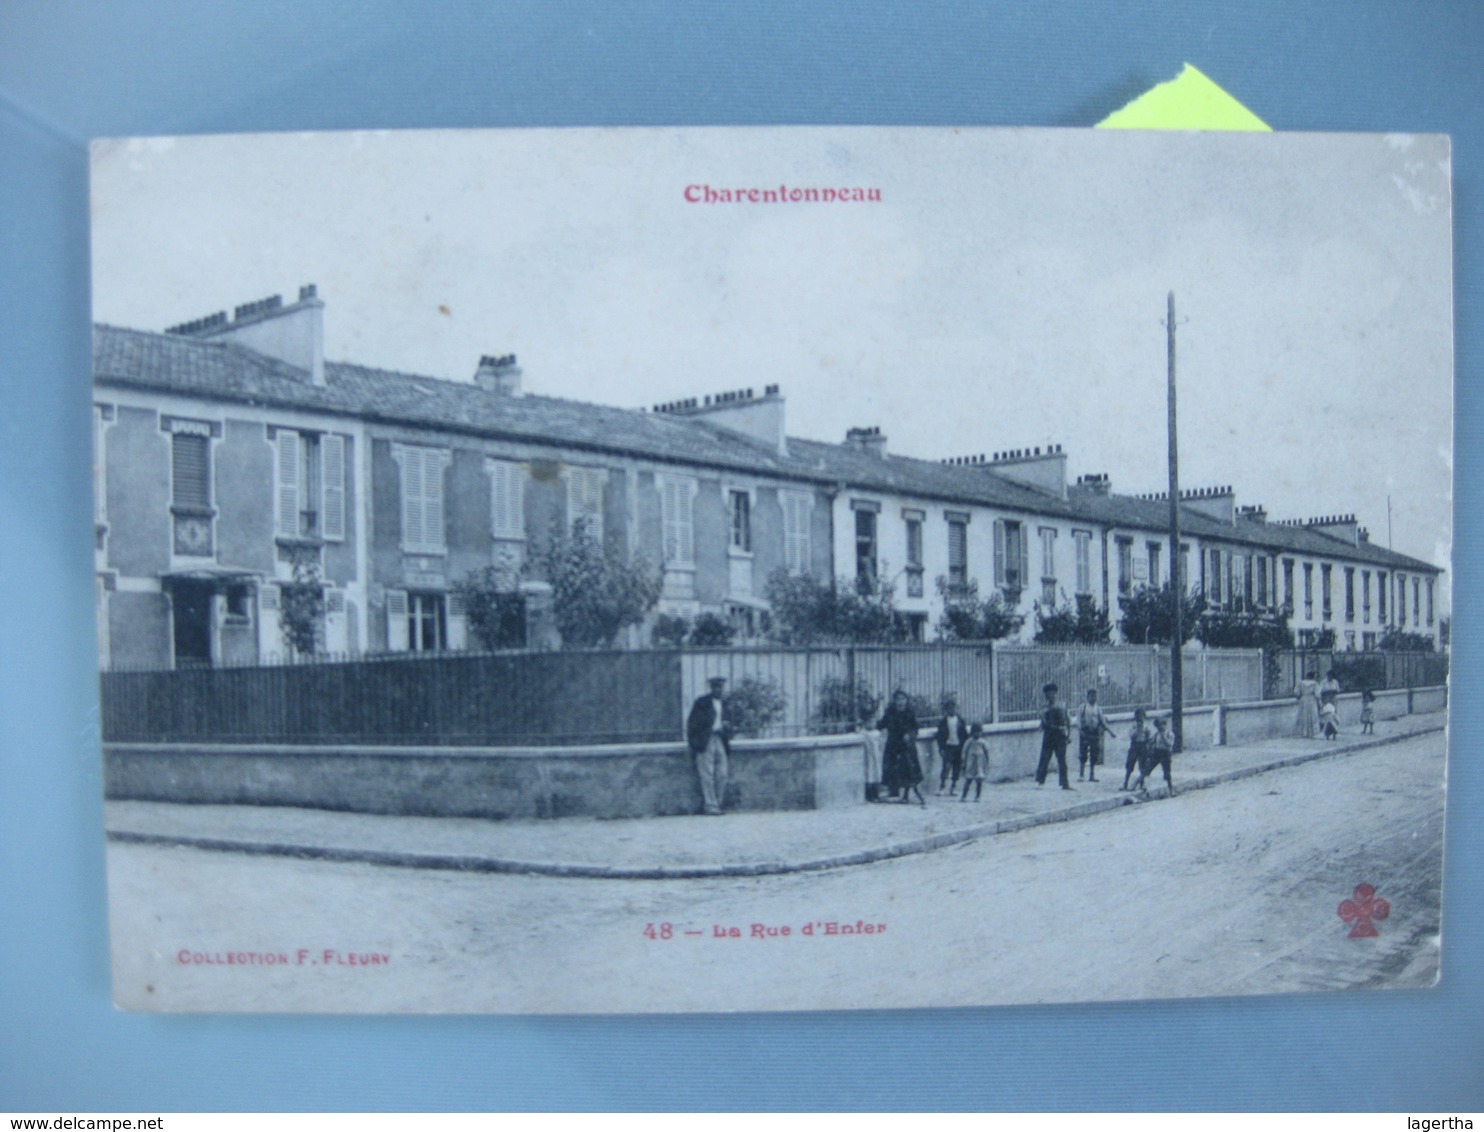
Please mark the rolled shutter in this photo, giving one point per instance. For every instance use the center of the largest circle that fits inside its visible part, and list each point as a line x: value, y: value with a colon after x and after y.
x: 332, y: 456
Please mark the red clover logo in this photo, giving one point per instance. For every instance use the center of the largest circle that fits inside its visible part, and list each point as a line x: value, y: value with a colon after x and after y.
x: 1362, y: 909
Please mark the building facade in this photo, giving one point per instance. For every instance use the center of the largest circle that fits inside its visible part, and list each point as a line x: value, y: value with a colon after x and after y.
x: 235, y: 467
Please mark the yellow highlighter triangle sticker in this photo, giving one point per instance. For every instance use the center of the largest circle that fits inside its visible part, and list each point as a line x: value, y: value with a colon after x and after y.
x: 1189, y: 101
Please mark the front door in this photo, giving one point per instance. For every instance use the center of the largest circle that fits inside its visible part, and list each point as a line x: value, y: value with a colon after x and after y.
x: 191, y: 606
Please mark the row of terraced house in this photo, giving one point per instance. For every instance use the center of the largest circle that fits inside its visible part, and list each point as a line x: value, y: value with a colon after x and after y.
x: 228, y: 449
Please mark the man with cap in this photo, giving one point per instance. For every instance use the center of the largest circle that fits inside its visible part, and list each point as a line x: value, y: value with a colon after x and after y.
x: 709, y: 736
x: 1055, y: 728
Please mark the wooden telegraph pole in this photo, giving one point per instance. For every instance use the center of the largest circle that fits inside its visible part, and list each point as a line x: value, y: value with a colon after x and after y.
x: 1177, y: 578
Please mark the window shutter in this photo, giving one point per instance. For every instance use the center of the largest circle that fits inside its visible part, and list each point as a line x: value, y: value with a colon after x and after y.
x: 332, y: 475
x: 396, y: 620
x: 958, y: 550
x: 685, y: 501
x: 412, y: 498
x: 268, y: 598
x: 432, y: 498
x: 458, y: 622
x: 506, y: 491
x: 999, y: 552
x: 1025, y: 565
x: 191, y: 465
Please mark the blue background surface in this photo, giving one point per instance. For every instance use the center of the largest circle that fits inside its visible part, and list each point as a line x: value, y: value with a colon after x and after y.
x: 70, y: 71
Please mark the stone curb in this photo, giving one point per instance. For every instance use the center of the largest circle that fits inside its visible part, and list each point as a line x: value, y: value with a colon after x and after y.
x: 471, y: 864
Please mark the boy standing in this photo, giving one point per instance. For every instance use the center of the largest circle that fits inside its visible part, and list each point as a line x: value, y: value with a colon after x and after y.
x: 1055, y: 728
x: 1091, y: 726
x: 1161, y: 751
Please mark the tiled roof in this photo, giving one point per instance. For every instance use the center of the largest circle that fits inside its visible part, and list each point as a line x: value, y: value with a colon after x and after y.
x: 226, y: 371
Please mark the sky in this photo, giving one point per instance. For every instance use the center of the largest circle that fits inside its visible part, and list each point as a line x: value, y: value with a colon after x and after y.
x: 1008, y: 290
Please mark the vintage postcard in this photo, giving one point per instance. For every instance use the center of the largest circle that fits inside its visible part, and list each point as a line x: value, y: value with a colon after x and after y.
x: 770, y: 569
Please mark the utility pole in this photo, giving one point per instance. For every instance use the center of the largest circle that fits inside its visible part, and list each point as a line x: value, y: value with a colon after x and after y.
x: 1177, y: 576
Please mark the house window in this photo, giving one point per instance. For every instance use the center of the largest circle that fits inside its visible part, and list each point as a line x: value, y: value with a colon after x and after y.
x: 1125, y: 566
x: 739, y: 504
x: 1368, y: 641
x: 427, y: 625
x: 1011, y: 558
x: 914, y: 521
x: 1350, y: 593
x: 677, y: 520
x: 1213, y: 586
x: 507, y: 499
x: 1260, y: 568
x: 1429, y: 602
x: 422, y: 498
x: 309, y: 485
x: 1155, y: 551
x: 1381, y: 596
x: 585, y: 499
x: 102, y: 414
x: 1365, y: 596
x: 1416, y: 601
x: 1349, y: 640
x: 1047, y: 536
x: 237, y: 603
x: 797, y: 509
x: 1309, y: 591
x: 1401, y: 601
x: 1182, y: 581
x: 865, y: 549
x: 958, y: 551
x: 1288, y: 586
x: 1326, y: 576
x: 1082, y: 542
x: 190, y: 488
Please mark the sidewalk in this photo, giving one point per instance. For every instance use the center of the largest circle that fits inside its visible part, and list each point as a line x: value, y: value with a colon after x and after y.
x: 739, y: 844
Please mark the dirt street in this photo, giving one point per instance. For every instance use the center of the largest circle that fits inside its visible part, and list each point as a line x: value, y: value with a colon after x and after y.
x: 1230, y: 890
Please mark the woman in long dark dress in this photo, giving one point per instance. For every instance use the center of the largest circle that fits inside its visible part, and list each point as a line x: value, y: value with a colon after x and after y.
x: 901, y: 770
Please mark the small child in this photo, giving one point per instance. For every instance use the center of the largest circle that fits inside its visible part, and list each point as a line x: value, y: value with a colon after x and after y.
x: 1161, y: 750
x: 1329, y: 719
x: 1368, y: 712
x: 976, y: 762
x: 1138, y: 746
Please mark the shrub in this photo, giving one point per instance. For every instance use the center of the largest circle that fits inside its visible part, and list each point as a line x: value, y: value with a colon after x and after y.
x: 968, y: 618
x: 301, y: 607
x: 669, y: 631
x: 1082, y: 623
x: 1396, y: 640
x: 754, y: 705
x: 494, y: 605
x: 711, y: 630
x: 841, y: 703
x: 1148, y: 614
x: 807, y: 610
x: 1359, y: 671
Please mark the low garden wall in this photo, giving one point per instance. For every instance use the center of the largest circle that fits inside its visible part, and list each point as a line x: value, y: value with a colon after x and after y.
x: 623, y: 781
x: 632, y: 780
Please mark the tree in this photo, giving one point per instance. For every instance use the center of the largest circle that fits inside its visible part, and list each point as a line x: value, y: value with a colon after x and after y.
x: 301, y: 606
x: 595, y: 594
x: 1085, y: 623
x: 808, y: 611
x: 1398, y: 640
x: 494, y: 605
x: 968, y: 618
x: 1149, y: 614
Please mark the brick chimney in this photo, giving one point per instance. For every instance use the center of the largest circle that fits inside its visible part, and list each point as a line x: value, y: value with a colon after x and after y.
x: 499, y: 375
x: 1094, y: 483
x: 1343, y: 527
x: 1255, y: 513
x: 867, y: 440
x: 293, y: 334
x: 1219, y: 503
x: 738, y: 410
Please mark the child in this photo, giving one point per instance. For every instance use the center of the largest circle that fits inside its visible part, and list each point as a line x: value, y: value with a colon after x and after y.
x: 1138, y: 746
x: 976, y: 762
x: 1368, y: 712
x: 1161, y: 750
x: 1091, y: 725
x: 1329, y: 719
